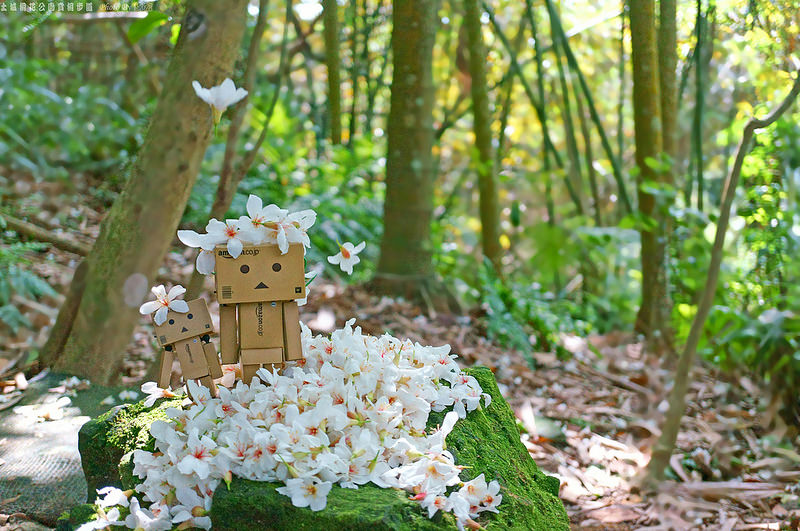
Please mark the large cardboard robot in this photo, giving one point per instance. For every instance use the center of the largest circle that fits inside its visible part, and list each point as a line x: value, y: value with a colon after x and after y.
x: 259, y: 317
x: 188, y: 336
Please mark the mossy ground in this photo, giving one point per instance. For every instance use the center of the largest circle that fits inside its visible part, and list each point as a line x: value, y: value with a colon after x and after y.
x: 486, y: 442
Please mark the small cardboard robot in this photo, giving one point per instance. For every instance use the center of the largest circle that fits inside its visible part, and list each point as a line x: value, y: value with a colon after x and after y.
x: 258, y: 315
x: 188, y: 336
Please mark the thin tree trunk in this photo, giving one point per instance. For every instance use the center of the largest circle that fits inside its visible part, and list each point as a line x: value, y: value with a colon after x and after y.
x: 354, y: 70
x: 573, y: 157
x: 482, y: 127
x: 508, y: 84
x: 140, y: 226
x: 621, y: 102
x: 647, y: 125
x: 677, y: 399
x: 548, y: 186
x: 330, y: 11
x: 697, y: 120
x: 668, y: 92
x: 405, y: 264
x: 589, y: 156
x: 537, y: 103
x: 573, y: 64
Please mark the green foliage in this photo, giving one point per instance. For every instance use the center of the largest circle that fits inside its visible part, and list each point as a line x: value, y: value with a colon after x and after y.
x: 523, y: 317
x: 52, y: 126
x: 16, y: 280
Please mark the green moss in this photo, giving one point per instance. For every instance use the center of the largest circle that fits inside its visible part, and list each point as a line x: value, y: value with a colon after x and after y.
x: 257, y: 505
x: 78, y: 515
x: 103, y: 441
x: 487, y: 442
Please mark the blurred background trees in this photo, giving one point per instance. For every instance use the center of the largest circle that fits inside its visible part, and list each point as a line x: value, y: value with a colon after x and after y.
x: 556, y: 167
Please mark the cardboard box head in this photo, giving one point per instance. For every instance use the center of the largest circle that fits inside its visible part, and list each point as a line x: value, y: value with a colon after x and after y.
x: 195, y: 322
x: 260, y: 274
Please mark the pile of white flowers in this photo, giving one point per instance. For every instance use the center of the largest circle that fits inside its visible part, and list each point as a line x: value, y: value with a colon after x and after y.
x: 354, y: 411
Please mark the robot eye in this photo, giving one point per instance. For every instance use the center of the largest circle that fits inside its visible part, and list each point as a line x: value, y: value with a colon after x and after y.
x: 190, y: 316
x: 276, y: 267
x: 245, y: 269
x: 172, y: 321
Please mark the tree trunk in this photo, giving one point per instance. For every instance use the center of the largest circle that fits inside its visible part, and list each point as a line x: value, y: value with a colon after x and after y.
x: 140, y: 226
x: 668, y: 92
x: 331, y: 19
x: 647, y: 127
x: 677, y: 398
x: 405, y: 264
x: 482, y: 127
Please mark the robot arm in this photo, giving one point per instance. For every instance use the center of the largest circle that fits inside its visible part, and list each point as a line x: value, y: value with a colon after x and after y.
x: 228, y: 332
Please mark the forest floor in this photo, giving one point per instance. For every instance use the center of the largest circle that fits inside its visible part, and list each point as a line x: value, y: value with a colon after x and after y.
x: 590, y: 420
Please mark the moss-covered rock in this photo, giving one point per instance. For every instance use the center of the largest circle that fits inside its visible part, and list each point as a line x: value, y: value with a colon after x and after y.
x: 486, y: 442
x: 103, y: 441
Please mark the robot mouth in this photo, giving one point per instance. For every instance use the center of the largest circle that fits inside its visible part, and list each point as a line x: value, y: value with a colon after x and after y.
x: 184, y: 329
x: 261, y: 285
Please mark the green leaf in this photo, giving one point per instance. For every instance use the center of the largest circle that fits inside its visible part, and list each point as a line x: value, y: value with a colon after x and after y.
x: 174, y: 32
x: 144, y: 26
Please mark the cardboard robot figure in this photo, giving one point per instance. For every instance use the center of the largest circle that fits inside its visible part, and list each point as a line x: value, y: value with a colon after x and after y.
x: 258, y: 314
x: 188, y: 336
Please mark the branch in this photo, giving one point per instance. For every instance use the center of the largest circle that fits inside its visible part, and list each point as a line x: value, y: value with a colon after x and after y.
x: 677, y: 400
x: 43, y: 235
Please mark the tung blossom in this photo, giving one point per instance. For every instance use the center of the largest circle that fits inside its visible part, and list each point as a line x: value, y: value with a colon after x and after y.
x: 165, y: 302
x: 306, y: 493
x: 347, y: 256
x: 219, y: 97
x: 154, y: 392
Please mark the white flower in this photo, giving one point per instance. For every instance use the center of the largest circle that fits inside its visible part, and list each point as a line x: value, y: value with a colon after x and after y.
x: 255, y: 226
x: 219, y: 233
x: 199, y: 457
x: 154, y: 392
x: 307, y: 493
x: 110, y: 400
x: 347, y: 257
x: 111, y: 496
x: 103, y: 520
x: 128, y: 396
x: 164, y: 302
x: 146, y: 520
x: 219, y: 97
x: 205, y: 258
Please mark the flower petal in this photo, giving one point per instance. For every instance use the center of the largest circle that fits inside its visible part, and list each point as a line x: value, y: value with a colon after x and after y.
x: 176, y: 291
x: 205, y: 262
x: 149, y: 307
x: 190, y: 238
x: 335, y: 259
x: 254, y: 205
x: 235, y: 247
x: 283, y: 242
x: 179, y: 306
x: 358, y: 248
x: 160, y: 316
x: 159, y: 291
